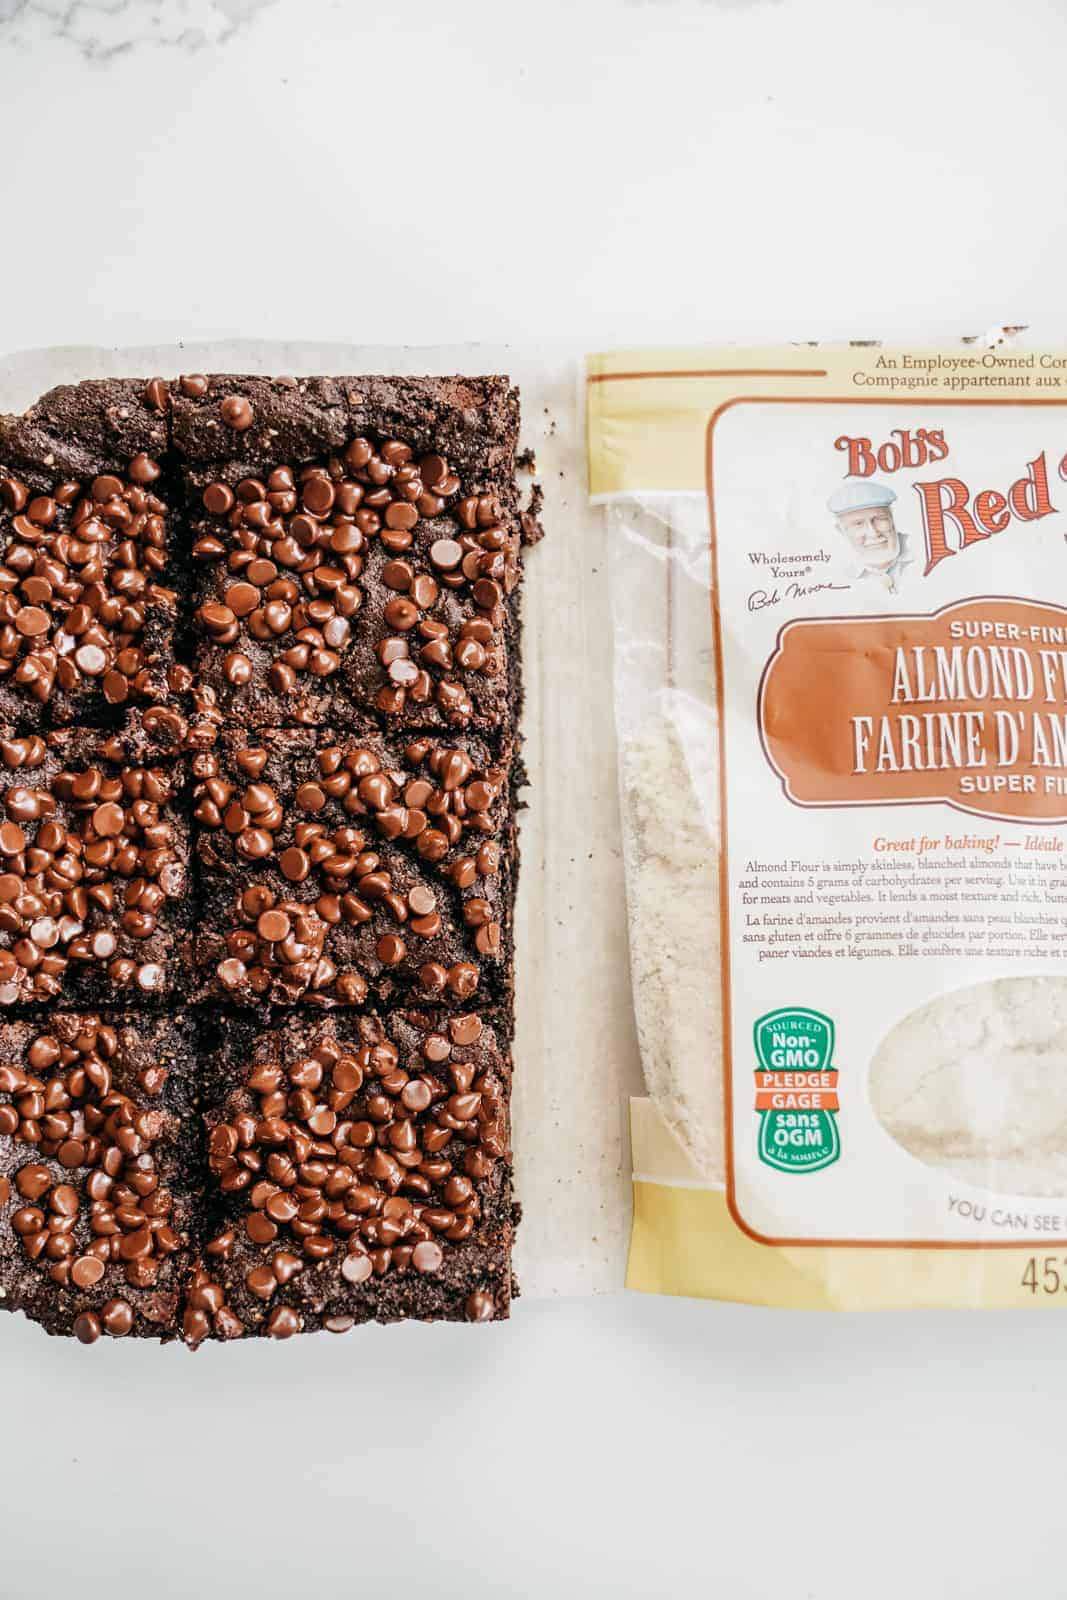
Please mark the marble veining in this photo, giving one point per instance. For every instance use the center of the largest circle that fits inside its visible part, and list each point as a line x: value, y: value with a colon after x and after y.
x: 103, y: 29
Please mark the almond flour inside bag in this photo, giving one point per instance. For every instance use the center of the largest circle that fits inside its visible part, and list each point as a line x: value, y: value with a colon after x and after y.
x: 669, y: 810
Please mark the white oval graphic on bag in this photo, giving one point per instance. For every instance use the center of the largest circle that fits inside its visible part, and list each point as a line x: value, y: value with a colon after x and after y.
x: 974, y: 1083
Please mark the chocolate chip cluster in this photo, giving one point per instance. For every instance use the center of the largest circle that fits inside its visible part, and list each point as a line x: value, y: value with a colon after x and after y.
x: 93, y: 1200
x: 278, y: 952
x: 79, y: 572
x: 90, y: 857
x: 295, y: 546
x: 355, y: 1157
x: 477, y: 561
x: 340, y: 828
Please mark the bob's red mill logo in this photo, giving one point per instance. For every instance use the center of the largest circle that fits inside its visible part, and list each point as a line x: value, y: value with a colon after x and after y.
x: 955, y: 515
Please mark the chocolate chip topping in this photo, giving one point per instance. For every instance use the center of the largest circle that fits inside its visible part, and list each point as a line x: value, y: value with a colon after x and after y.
x: 351, y: 1156
x: 373, y: 569
x: 340, y: 863
x: 90, y: 1133
x: 93, y: 870
x: 80, y: 570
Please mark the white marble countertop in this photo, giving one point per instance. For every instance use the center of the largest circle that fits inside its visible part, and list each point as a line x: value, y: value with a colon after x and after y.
x: 592, y: 173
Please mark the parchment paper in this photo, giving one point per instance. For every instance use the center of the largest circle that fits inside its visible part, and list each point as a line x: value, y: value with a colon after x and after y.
x: 576, y: 1059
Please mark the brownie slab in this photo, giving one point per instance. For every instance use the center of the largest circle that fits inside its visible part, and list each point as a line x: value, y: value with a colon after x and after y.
x: 338, y: 866
x: 259, y: 691
x: 87, y: 619
x: 361, y: 1171
x: 94, y: 871
x: 99, y: 1150
x: 363, y: 575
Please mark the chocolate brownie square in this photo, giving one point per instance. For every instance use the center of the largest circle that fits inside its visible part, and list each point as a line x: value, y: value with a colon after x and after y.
x: 99, y: 1150
x: 361, y: 1171
x: 371, y: 572
x: 94, y: 870
x: 87, y: 619
x: 334, y: 867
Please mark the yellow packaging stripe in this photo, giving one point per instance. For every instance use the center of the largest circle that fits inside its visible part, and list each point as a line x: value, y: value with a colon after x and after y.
x: 684, y: 1242
x: 647, y: 411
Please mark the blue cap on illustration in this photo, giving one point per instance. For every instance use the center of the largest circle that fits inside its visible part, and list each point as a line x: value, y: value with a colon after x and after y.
x: 859, y: 494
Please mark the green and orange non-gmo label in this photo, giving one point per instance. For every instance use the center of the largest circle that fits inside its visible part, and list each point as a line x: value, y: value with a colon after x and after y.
x: 796, y: 1089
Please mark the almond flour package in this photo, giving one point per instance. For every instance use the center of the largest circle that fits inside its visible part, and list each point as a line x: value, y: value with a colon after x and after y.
x: 839, y: 589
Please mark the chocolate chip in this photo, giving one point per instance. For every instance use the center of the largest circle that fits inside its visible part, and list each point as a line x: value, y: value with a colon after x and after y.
x: 31, y: 621
x: 427, y: 1257
x: 143, y: 470
x: 446, y: 554
x: 156, y: 394
x: 273, y: 925
x: 109, y: 820
x: 318, y: 496
x: 236, y: 412
x: 356, y: 1268
x: 242, y: 598
x: 117, y: 1317
x: 91, y: 659
x: 401, y: 515
x: 294, y: 864
x: 237, y: 668
x: 86, y: 1271
x: 283, y: 1323
x: 391, y: 949
x: 218, y: 498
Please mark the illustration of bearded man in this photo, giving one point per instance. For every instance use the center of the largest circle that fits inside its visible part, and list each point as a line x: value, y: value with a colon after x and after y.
x: 862, y: 510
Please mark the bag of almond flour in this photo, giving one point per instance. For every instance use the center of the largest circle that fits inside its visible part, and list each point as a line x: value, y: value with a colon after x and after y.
x: 839, y: 589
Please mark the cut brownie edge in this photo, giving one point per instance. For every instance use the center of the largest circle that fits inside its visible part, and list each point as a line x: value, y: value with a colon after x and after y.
x: 82, y: 429
x: 255, y: 420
